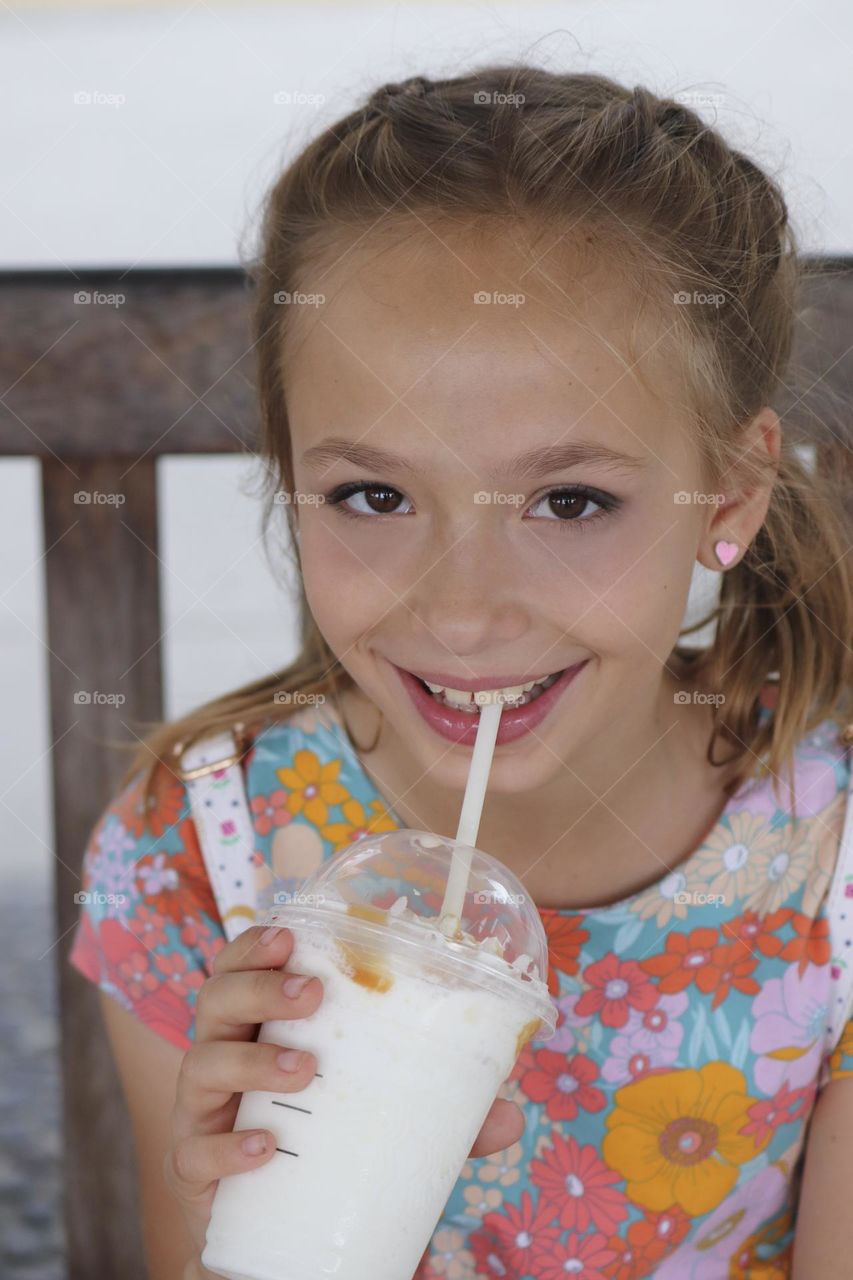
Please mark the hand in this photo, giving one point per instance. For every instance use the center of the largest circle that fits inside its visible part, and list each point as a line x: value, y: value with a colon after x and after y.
x: 245, y: 989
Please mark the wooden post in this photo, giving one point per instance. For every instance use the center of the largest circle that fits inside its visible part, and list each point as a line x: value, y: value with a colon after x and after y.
x: 103, y: 629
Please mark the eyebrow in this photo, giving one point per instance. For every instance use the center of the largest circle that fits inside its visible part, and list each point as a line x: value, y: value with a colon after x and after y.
x: 534, y: 463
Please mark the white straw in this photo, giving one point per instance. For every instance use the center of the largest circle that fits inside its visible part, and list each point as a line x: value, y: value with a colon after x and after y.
x: 469, y: 819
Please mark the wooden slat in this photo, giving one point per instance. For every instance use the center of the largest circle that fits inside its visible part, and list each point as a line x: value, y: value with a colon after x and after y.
x: 169, y: 370
x: 103, y: 634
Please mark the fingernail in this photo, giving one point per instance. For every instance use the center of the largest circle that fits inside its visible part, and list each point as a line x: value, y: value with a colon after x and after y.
x: 268, y: 934
x: 290, y: 1060
x: 255, y: 1144
x: 293, y: 986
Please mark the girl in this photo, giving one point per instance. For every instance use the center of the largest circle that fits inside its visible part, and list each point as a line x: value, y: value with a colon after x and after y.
x: 518, y: 333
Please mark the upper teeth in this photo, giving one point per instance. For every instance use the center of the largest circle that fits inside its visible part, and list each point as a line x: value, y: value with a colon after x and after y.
x: 465, y: 697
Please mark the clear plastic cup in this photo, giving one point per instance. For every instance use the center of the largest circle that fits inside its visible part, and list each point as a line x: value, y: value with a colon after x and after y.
x: 414, y: 1035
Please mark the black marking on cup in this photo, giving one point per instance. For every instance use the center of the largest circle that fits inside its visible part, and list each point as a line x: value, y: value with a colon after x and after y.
x: 284, y: 1151
x: 292, y: 1107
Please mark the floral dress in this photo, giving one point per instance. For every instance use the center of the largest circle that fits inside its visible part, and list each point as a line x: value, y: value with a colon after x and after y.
x: 665, y: 1119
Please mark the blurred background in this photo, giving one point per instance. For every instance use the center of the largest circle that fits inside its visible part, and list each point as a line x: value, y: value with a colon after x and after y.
x: 142, y: 136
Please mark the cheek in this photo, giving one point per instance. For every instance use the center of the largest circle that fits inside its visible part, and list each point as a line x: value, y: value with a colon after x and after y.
x: 346, y: 592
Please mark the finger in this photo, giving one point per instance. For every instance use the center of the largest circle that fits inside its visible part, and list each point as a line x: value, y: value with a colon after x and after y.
x: 230, y: 1005
x: 211, y: 1073
x: 195, y: 1163
x: 247, y: 951
x: 503, y: 1126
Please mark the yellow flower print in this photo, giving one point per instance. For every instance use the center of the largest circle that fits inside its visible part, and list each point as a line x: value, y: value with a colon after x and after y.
x: 482, y: 1200
x: 729, y: 862
x: 843, y: 1049
x: 780, y: 872
x: 312, y: 786
x: 358, y: 823
x: 449, y: 1258
x: 676, y: 1138
x: 659, y: 901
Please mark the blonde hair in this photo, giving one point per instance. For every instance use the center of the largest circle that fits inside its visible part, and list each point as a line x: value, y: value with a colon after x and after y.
x: 648, y: 179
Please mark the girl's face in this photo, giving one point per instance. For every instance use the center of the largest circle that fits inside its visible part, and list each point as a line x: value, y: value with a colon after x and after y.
x: 436, y: 354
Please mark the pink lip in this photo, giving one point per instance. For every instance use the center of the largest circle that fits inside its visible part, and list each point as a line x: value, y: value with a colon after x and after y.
x: 461, y: 726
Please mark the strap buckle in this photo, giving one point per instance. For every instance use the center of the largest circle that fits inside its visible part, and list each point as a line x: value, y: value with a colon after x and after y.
x: 211, y: 766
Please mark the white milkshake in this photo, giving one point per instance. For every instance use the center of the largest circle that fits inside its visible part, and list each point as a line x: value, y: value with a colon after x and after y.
x: 413, y: 1037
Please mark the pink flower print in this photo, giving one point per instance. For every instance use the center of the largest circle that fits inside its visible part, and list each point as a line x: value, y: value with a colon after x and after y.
x: 157, y: 876
x: 136, y: 976
x: 586, y: 1257
x: 815, y: 787
x: 767, y: 1114
x: 179, y: 977
x: 616, y: 986
x: 789, y: 1021
x: 648, y: 1042
x: 270, y: 811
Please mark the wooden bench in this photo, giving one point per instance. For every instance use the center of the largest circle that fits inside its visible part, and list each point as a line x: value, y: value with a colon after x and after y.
x: 98, y: 391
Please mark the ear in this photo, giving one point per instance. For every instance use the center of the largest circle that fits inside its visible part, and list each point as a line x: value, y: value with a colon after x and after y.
x: 735, y: 520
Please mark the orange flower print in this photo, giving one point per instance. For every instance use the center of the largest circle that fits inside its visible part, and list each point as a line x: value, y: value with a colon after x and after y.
x: 167, y: 802
x: 616, y: 987
x: 449, y: 1258
x: 678, y: 1137
x: 699, y: 957
x: 501, y: 1167
x: 270, y: 811
x: 480, y: 1200
x: 563, y: 1084
x: 359, y: 823
x: 842, y: 1051
x: 646, y: 1243
x: 312, y: 786
x: 565, y: 939
x: 179, y: 977
x: 785, y: 1107
x: 759, y: 934
x: 811, y: 943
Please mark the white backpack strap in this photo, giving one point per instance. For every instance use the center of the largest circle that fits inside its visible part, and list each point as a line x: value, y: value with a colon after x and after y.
x: 217, y: 793
x: 839, y: 910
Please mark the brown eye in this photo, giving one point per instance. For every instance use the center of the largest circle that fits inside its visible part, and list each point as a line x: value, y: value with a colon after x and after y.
x: 381, y: 499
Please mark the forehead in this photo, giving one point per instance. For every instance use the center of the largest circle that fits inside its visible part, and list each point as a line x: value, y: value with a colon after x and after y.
x: 478, y: 332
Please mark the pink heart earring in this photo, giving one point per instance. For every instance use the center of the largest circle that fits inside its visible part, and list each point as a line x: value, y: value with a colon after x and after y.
x: 725, y: 552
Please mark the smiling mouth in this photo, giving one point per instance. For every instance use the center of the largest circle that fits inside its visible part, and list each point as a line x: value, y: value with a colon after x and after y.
x: 466, y: 700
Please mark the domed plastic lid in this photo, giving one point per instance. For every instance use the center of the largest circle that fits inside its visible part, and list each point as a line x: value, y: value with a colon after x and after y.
x: 399, y: 878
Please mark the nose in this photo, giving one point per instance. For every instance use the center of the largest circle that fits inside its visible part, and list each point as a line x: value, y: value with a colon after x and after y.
x: 469, y: 598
